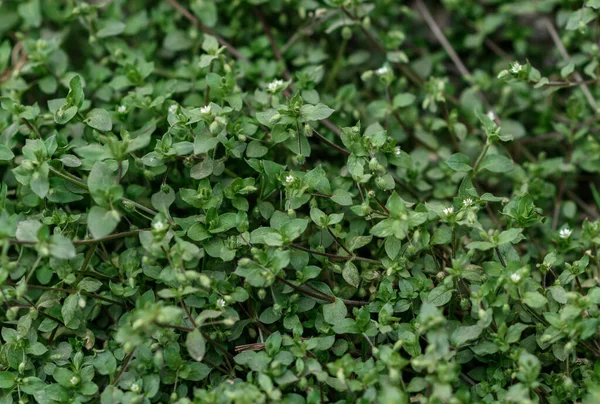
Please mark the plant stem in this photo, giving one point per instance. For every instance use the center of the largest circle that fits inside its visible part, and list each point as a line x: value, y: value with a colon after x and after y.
x: 481, y: 156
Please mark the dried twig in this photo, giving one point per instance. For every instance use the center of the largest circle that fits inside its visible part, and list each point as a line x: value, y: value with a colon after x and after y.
x: 192, y: 18
x: 565, y: 55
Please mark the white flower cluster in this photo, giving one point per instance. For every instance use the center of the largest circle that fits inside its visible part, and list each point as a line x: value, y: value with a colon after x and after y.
x: 205, y: 109
x: 565, y: 233
x: 467, y: 202
x: 515, y: 67
x: 382, y: 70
x: 448, y: 211
x: 275, y: 85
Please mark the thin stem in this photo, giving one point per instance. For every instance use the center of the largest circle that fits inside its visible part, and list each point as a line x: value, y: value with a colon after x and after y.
x: 71, y: 291
x: 124, y: 366
x: 76, y: 181
x: 91, y: 241
x: 86, y: 261
x: 32, y: 128
x: 481, y: 156
x: 337, y: 240
x: 329, y: 143
x: 565, y: 55
x: 195, y: 21
x: 334, y: 256
x: 320, y: 295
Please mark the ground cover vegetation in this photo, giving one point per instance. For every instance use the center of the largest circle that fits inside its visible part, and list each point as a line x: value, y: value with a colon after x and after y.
x: 303, y: 201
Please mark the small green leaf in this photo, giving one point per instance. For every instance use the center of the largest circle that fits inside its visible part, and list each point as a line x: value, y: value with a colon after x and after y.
x: 403, y: 100
x: 534, y: 299
x: 351, y: 275
x: 99, y: 119
x: 334, y: 313
x: 61, y: 247
x: 102, y: 222
x: 459, y: 162
x: 497, y: 164
x: 110, y: 28
x: 7, y: 380
x: 5, y: 153
x: 196, y: 345
x: 316, y: 112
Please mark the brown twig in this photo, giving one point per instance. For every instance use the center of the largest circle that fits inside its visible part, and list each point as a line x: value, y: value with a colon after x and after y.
x: 321, y: 295
x: 330, y: 144
x: 110, y: 237
x: 18, y: 49
x: 565, y: 55
x: 334, y: 256
x: 276, y: 51
x: 192, y: 18
x: 439, y: 35
x: 561, y: 191
x: 124, y: 366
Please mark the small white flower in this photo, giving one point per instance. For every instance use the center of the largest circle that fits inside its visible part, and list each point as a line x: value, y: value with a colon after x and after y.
x: 491, y: 115
x: 275, y: 85
x: 173, y: 108
x: 74, y: 380
x: 448, y: 211
x: 122, y: 109
x: 205, y: 109
x: 565, y: 233
x: 515, y: 67
x: 158, y: 226
x: 467, y: 202
x: 382, y: 70
x: 135, y: 388
x: 398, y: 151
x: 289, y: 178
x: 515, y: 277
x: 221, y: 302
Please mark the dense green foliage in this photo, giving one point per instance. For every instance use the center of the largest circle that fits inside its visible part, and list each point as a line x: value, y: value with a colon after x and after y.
x: 247, y: 201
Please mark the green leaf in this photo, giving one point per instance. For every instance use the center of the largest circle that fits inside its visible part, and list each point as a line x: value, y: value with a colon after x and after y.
x: 61, y: 247
x: 465, y: 334
x: 403, y: 100
x: 334, y: 313
x: 102, y: 222
x: 75, y: 96
x: 7, y: 380
x: 110, y: 28
x: 196, y: 345
x: 459, y: 162
x: 5, y: 153
x: 99, y: 119
x: 534, y: 299
x: 497, y: 164
x: 440, y: 295
x: 508, y: 236
x: 64, y: 114
x: 342, y: 197
x: 351, y: 275
x: 514, y: 332
x: 583, y: 16
x: 69, y: 311
x: 316, y: 112
x: 567, y: 70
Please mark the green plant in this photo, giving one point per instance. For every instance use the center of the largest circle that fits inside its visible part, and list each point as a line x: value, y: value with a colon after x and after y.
x: 301, y: 201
